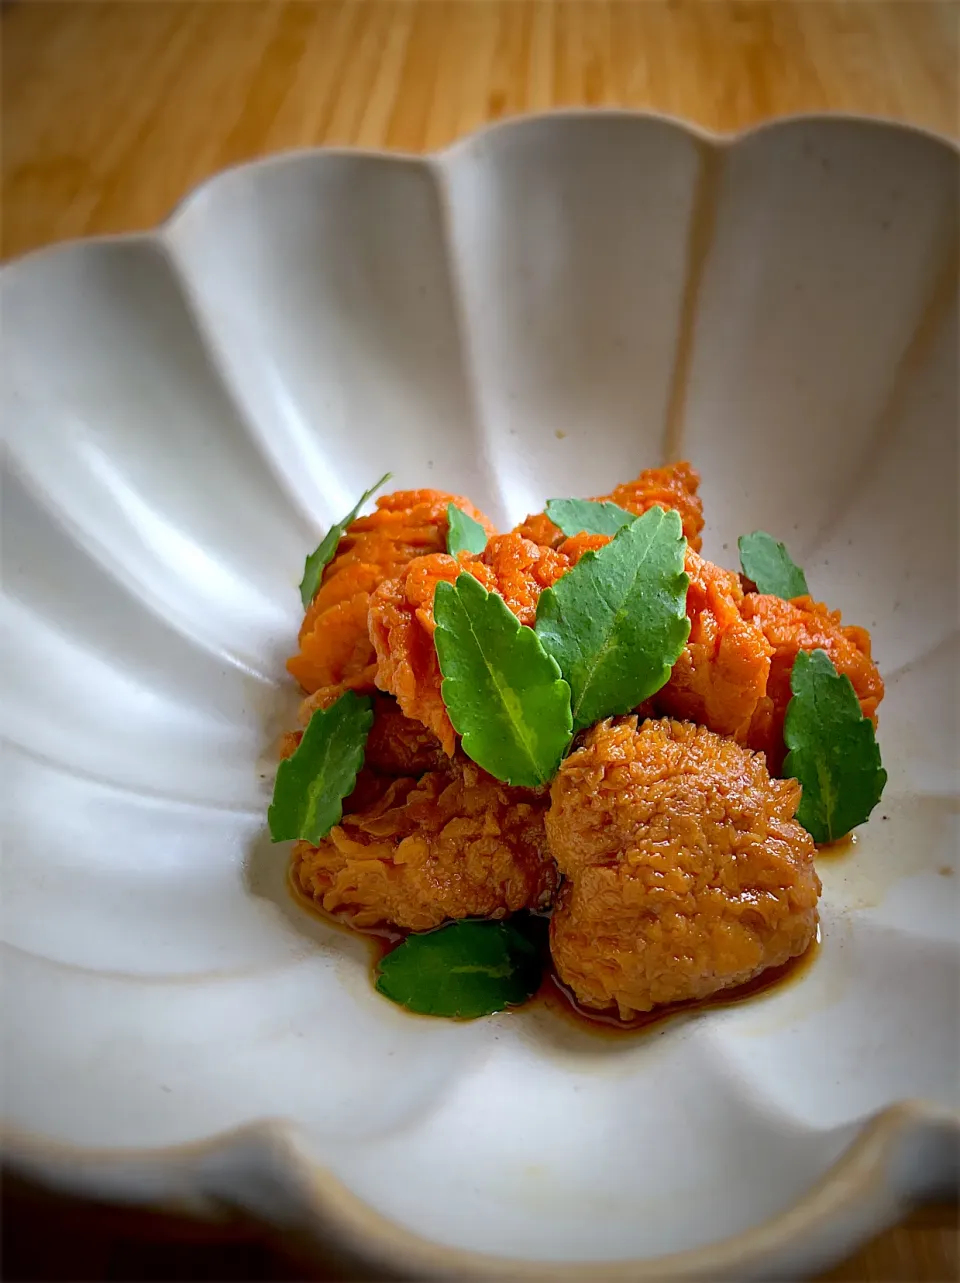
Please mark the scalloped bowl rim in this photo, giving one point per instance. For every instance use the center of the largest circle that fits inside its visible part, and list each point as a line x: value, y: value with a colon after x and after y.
x: 706, y: 137
x: 852, y: 1200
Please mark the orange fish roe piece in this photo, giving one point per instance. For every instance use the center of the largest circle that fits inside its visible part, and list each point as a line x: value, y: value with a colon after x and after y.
x: 804, y: 624
x: 717, y: 681
x: 335, y: 647
x: 674, y: 486
x: 722, y: 673
x: 402, y: 623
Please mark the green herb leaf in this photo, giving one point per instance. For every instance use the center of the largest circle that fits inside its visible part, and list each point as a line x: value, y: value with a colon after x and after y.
x: 312, y: 783
x: 770, y: 566
x: 616, y: 623
x: 322, y: 555
x: 833, y: 749
x: 463, y: 970
x: 504, y: 694
x: 588, y: 516
x: 463, y: 533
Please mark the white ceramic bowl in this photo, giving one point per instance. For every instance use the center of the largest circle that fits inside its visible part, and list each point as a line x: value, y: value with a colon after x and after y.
x: 543, y: 309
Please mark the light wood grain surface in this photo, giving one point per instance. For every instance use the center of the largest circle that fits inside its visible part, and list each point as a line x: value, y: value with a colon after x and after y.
x: 111, y: 111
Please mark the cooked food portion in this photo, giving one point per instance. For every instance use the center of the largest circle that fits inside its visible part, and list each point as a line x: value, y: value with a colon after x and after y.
x: 396, y: 745
x: 454, y: 844
x: 803, y: 624
x: 674, y: 862
x: 402, y: 623
x: 685, y: 870
x: 718, y: 681
x: 335, y: 649
x: 674, y: 487
x: 721, y: 677
x: 733, y: 676
x: 722, y: 674
x: 335, y: 655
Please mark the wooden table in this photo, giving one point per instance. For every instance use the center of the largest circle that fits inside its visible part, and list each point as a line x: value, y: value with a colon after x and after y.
x: 111, y: 111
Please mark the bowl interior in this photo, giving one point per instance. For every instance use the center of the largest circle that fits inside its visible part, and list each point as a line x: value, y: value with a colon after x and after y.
x: 544, y: 310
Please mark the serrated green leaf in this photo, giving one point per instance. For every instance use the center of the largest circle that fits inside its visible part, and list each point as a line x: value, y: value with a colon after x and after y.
x: 588, y: 516
x: 616, y: 623
x: 833, y: 749
x: 322, y: 555
x: 503, y: 693
x: 770, y: 566
x: 463, y: 533
x: 464, y: 970
x: 312, y: 783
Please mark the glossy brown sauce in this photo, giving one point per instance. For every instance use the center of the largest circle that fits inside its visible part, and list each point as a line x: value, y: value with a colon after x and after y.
x: 842, y: 846
x: 556, y: 998
x: 381, y: 939
x: 559, y: 1000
